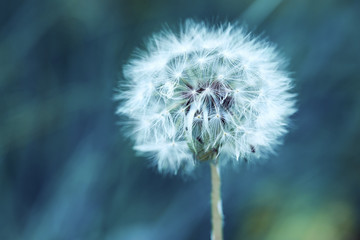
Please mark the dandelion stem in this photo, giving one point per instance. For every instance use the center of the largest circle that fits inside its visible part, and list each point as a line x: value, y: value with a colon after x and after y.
x: 216, y: 204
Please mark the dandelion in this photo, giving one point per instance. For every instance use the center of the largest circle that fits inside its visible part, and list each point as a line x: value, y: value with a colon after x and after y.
x: 206, y: 94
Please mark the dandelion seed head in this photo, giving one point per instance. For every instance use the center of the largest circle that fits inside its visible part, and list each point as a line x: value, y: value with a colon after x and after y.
x: 206, y: 93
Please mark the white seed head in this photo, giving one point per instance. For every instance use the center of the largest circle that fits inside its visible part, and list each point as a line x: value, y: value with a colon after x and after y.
x: 206, y: 93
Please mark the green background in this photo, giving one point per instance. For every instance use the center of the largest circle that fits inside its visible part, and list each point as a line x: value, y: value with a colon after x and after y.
x: 67, y: 172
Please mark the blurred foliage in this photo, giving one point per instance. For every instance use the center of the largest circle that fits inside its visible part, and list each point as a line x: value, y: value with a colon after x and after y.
x: 66, y: 171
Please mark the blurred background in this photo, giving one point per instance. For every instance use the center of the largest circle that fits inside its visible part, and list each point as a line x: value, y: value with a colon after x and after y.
x: 66, y: 171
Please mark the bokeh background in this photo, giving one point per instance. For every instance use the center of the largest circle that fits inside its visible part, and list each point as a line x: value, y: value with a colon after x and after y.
x: 66, y: 171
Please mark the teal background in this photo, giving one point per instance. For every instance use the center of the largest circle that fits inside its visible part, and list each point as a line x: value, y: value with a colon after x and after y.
x: 66, y: 171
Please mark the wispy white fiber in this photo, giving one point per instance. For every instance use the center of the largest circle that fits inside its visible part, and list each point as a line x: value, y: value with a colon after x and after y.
x: 204, y: 93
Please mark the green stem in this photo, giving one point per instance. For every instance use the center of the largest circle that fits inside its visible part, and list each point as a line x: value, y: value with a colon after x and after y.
x: 216, y: 203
